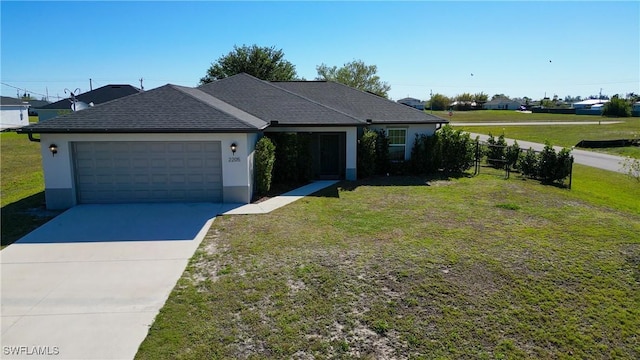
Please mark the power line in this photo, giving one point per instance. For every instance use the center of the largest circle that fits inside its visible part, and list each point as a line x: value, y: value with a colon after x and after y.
x: 26, y: 91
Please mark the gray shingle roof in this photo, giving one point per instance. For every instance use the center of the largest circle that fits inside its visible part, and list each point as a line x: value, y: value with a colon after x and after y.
x: 273, y: 103
x: 240, y: 103
x: 358, y: 103
x: 169, y: 108
x: 5, y: 100
x: 98, y: 96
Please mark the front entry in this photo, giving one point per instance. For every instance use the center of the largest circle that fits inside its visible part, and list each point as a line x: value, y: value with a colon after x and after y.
x: 330, y: 155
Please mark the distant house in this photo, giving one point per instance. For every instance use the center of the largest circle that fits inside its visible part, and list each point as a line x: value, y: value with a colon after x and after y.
x: 635, y: 109
x: 34, y: 104
x: 502, y: 103
x: 588, y: 104
x: 94, y: 97
x: 14, y: 113
x: 463, y: 105
x: 413, y: 102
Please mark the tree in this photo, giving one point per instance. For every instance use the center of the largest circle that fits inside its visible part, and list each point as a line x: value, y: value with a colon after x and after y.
x: 439, y: 102
x: 355, y: 74
x: 266, y: 63
x: 480, y: 97
x: 617, y: 107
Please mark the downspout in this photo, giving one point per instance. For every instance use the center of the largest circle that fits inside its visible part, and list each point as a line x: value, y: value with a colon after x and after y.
x: 31, y: 138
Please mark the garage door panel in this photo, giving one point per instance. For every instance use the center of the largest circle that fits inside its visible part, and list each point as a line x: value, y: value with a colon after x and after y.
x: 121, y: 172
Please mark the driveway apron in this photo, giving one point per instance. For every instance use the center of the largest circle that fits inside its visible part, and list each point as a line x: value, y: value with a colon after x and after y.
x: 89, y: 283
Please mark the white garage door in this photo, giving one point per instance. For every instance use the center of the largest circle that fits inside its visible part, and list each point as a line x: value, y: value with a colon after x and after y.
x: 140, y: 171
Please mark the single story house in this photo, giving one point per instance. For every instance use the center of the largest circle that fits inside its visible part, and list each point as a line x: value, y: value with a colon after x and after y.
x: 94, y: 97
x: 183, y: 144
x: 34, y: 104
x: 588, y: 104
x: 14, y: 113
x: 413, y: 102
x: 502, y: 103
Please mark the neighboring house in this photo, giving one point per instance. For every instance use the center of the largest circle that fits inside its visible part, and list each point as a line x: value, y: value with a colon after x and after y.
x: 590, y: 107
x: 413, y: 102
x: 588, y: 104
x: 176, y: 143
x: 34, y: 104
x: 98, y: 96
x: 502, y: 103
x: 14, y: 113
x: 635, y: 109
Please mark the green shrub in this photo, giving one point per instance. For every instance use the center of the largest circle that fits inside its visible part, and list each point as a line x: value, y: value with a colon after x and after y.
x: 293, y: 158
x: 529, y: 164
x: 457, y: 149
x: 564, y: 161
x: 547, y: 166
x: 496, y: 151
x: 264, y: 159
x: 382, y: 152
x: 512, y: 154
x: 547, y: 163
x: 367, y: 154
x: 419, y: 154
x: 304, y: 158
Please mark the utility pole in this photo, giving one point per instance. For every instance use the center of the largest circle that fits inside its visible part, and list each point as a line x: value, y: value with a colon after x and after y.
x: 90, y: 85
x: 431, y: 100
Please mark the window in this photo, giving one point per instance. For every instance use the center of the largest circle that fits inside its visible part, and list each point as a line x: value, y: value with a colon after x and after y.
x: 397, y: 144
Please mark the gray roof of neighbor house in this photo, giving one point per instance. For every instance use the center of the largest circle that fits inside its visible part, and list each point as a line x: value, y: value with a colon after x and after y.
x: 98, y: 96
x: 276, y: 104
x: 38, y: 103
x: 167, y: 109
x: 360, y: 104
x: 5, y: 100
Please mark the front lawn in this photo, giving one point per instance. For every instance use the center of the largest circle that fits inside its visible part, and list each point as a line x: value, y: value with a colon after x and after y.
x: 417, y: 268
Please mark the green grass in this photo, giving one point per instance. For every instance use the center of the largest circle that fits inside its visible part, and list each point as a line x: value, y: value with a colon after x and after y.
x: 22, y: 186
x: 392, y: 268
x: 512, y: 116
x: 560, y: 135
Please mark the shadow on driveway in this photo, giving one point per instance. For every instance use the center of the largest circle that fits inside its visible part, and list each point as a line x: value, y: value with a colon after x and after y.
x: 125, y: 222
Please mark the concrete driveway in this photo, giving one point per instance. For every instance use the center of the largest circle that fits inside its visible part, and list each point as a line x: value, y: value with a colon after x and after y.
x: 89, y: 283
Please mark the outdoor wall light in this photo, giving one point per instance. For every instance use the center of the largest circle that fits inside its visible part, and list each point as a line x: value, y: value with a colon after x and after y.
x: 54, y: 149
x: 234, y: 147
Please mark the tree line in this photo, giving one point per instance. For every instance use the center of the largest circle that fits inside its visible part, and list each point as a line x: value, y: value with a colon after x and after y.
x: 269, y: 63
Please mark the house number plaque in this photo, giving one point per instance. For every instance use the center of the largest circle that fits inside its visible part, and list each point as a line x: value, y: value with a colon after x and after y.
x: 234, y: 159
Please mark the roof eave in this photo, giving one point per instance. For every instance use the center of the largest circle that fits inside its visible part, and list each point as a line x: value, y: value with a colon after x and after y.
x: 135, y: 131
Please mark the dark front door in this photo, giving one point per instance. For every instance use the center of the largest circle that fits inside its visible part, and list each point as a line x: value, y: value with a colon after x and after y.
x: 329, y: 156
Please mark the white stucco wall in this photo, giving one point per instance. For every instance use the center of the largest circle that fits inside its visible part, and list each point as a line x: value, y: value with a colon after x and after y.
x: 14, y: 115
x: 58, y: 169
x: 412, y: 130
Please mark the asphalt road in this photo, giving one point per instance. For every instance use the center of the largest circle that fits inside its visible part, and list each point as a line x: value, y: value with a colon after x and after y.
x: 583, y: 157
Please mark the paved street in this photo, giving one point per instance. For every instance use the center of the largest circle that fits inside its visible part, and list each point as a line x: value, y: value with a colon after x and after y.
x: 583, y: 157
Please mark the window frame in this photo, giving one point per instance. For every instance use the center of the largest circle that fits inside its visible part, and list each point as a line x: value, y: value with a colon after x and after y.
x: 397, y: 145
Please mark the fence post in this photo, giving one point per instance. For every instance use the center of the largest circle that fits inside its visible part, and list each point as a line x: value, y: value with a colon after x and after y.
x: 570, y: 172
x: 477, y: 169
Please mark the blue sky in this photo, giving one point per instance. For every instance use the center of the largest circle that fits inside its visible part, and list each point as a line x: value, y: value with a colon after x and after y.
x: 516, y: 48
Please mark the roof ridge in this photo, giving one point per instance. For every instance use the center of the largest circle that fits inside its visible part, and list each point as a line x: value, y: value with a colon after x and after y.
x: 306, y: 98
x: 222, y: 106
